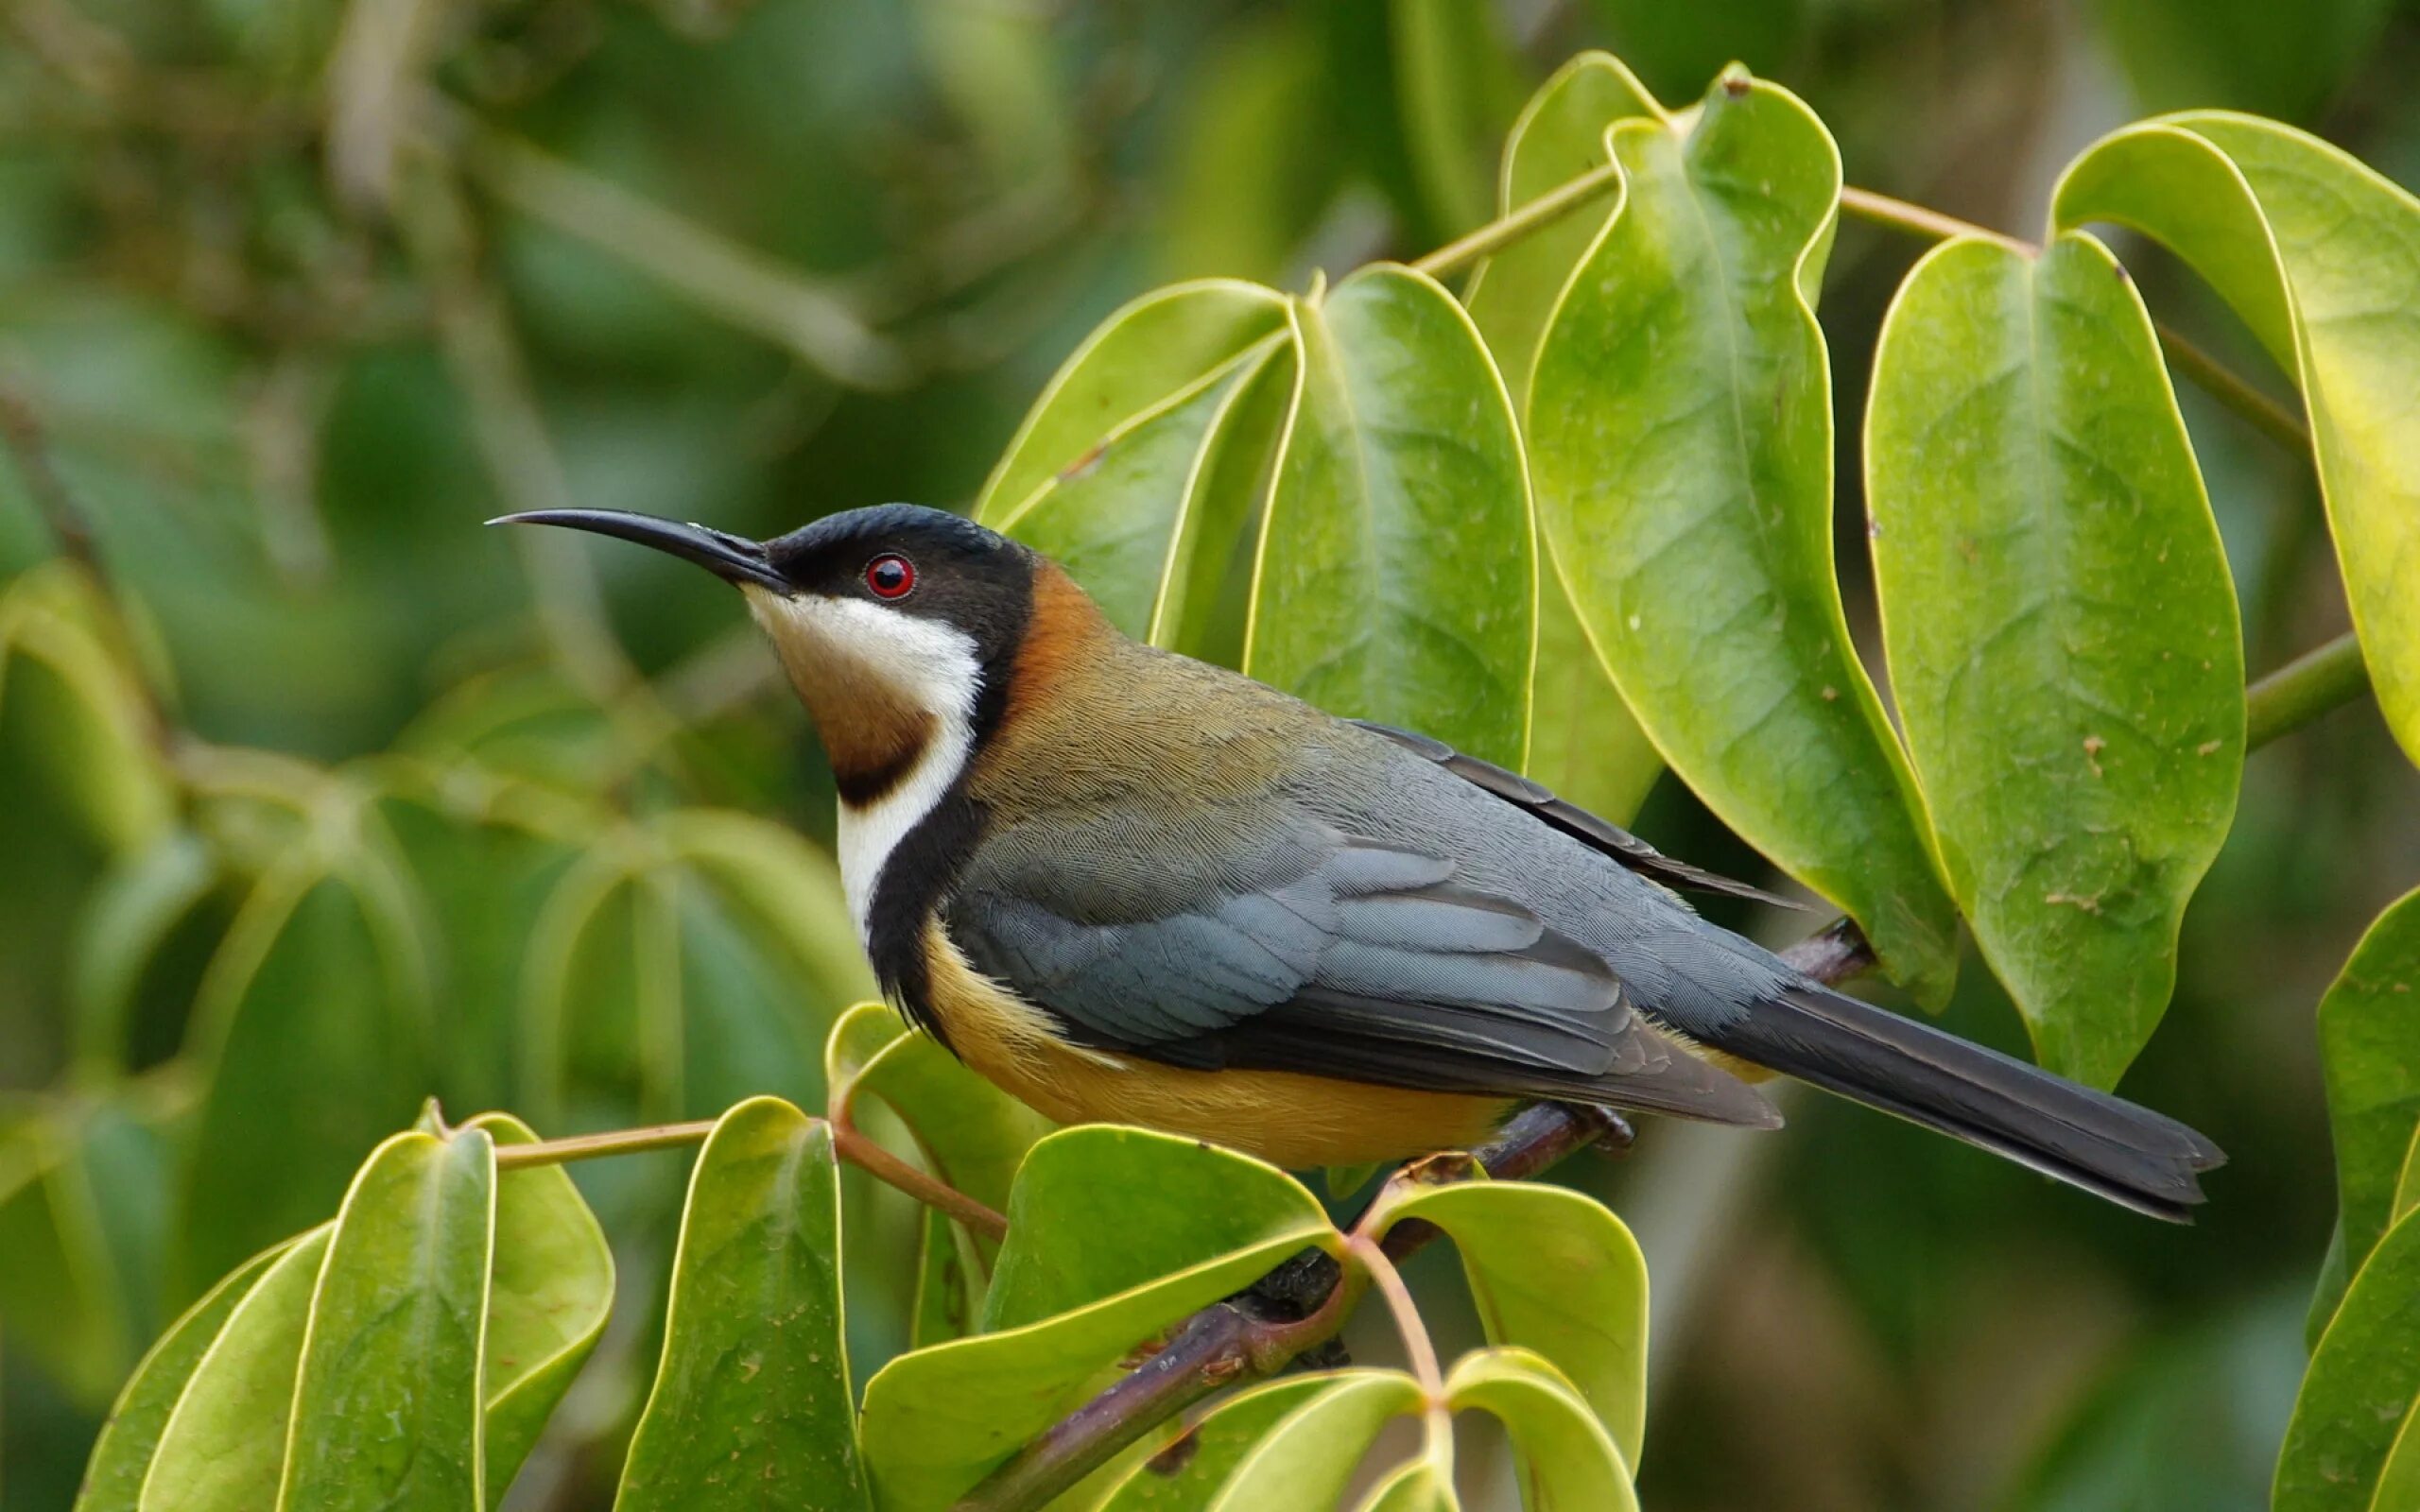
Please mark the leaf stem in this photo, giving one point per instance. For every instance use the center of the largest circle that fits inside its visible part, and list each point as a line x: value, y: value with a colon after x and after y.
x: 2304, y: 689
x: 2206, y: 372
x: 1503, y: 231
x: 848, y: 1143
x: 1419, y: 1349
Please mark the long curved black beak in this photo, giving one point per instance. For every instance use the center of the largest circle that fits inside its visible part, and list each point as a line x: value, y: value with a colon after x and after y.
x: 733, y: 559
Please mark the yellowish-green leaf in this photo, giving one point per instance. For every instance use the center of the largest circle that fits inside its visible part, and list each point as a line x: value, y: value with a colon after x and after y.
x: 752, y: 1405
x: 1144, y: 354
x: 1184, y: 1473
x: 224, y: 1444
x: 1397, y: 578
x: 2357, y: 1398
x: 2061, y: 628
x: 1114, y: 1233
x: 1308, y: 1458
x: 1553, y: 1270
x: 387, y: 1413
x: 550, y: 1290
x: 2369, y: 1055
x: 1419, y: 1484
x: 122, y: 1454
x: 1572, y: 1462
x: 1680, y: 436
x: 2320, y: 256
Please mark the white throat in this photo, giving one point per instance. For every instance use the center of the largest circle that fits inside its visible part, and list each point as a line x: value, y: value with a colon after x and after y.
x: 932, y: 665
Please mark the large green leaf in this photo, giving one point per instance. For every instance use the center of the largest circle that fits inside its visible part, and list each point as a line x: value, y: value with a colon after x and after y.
x: 752, y: 1405
x: 2369, y: 1053
x: 315, y: 1011
x: 1308, y: 1458
x: 1553, y: 1271
x: 1114, y: 1233
x: 2061, y: 628
x: 1681, y: 435
x: 387, y: 1413
x: 1186, y: 1473
x: 1583, y: 742
x: 1169, y: 485
x: 2357, y: 1403
x: 549, y: 1293
x: 1397, y: 578
x: 1559, y: 135
x: 1573, y: 1463
x: 1099, y: 1211
x: 1145, y: 353
x: 122, y: 1454
x: 2320, y: 256
x: 224, y: 1444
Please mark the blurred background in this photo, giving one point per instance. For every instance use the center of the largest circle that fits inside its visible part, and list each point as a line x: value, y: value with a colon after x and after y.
x: 294, y: 293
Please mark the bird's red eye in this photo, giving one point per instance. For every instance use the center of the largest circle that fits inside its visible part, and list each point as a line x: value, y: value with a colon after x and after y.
x: 891, y: 576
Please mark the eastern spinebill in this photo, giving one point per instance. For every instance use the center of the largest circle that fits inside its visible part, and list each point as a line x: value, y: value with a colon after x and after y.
x: 1130, y: 886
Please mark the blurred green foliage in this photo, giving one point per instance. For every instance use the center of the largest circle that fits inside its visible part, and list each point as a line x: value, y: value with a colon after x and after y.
x: 341, y: 799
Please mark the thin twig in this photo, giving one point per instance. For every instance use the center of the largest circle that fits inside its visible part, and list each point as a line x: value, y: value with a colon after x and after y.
x: 1541, y: 212
x: 847, y: 1144
x: 21, y: 429
x: 1304, y: 1303
x: 2198, y: 367
x: 1420, y: 1350
x: 2303, y: 689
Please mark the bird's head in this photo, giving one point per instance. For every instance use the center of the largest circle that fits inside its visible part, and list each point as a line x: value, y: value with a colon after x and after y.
x: 899, y: 625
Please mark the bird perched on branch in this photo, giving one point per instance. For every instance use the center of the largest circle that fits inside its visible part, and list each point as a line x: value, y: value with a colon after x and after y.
x: 1130, y: 886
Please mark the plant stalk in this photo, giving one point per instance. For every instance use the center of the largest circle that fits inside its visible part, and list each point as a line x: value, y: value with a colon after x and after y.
x: 1503, y: 231
x: 847, y: 1143
x: 2206, y: 372
x: 2304, y: 689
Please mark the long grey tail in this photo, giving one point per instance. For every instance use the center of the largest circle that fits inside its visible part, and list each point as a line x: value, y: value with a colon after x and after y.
x: 2104, y: 1144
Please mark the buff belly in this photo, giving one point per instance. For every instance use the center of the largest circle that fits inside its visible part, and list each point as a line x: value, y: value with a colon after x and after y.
x: 1286, y: 1118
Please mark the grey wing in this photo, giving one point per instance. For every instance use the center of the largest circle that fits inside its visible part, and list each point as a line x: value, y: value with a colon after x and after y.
x: 1590, y: 829
x: 1329, y: 955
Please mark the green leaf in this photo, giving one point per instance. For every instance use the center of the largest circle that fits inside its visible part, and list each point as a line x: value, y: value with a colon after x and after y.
x: 550, y: 1292
x: 2369, y: 1055
x: 1130, y: 519
x: 1681, y: 433
x: 1100, y: 1211
x: 387, y: 1406
x: 1185, y: 1473
x: 1416, y: 1485
x: 224, y: 1444
x: 122, y: 1454
x: 1553, y: 1271
x: 314, y: 1015
x: 1397, y: 578
x: 974, y: 1135
x: 1456, y: 85
x: 1307, y: 1460
x: 751, y: 1405
x: 2321, y: 257
x: 130, y: 914
x: 1143, y: 355
x: 58, y: 1292
x: 1574, y: 1462
x: 1583, y: 742
x: 2061, y: 628
x: 63, y: 651
x: 2357, y: 1401
x: 1114, y: 1233
x: 1559, y: 135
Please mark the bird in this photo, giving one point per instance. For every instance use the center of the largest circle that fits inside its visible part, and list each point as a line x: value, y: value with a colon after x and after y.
x: 1130, y: 887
